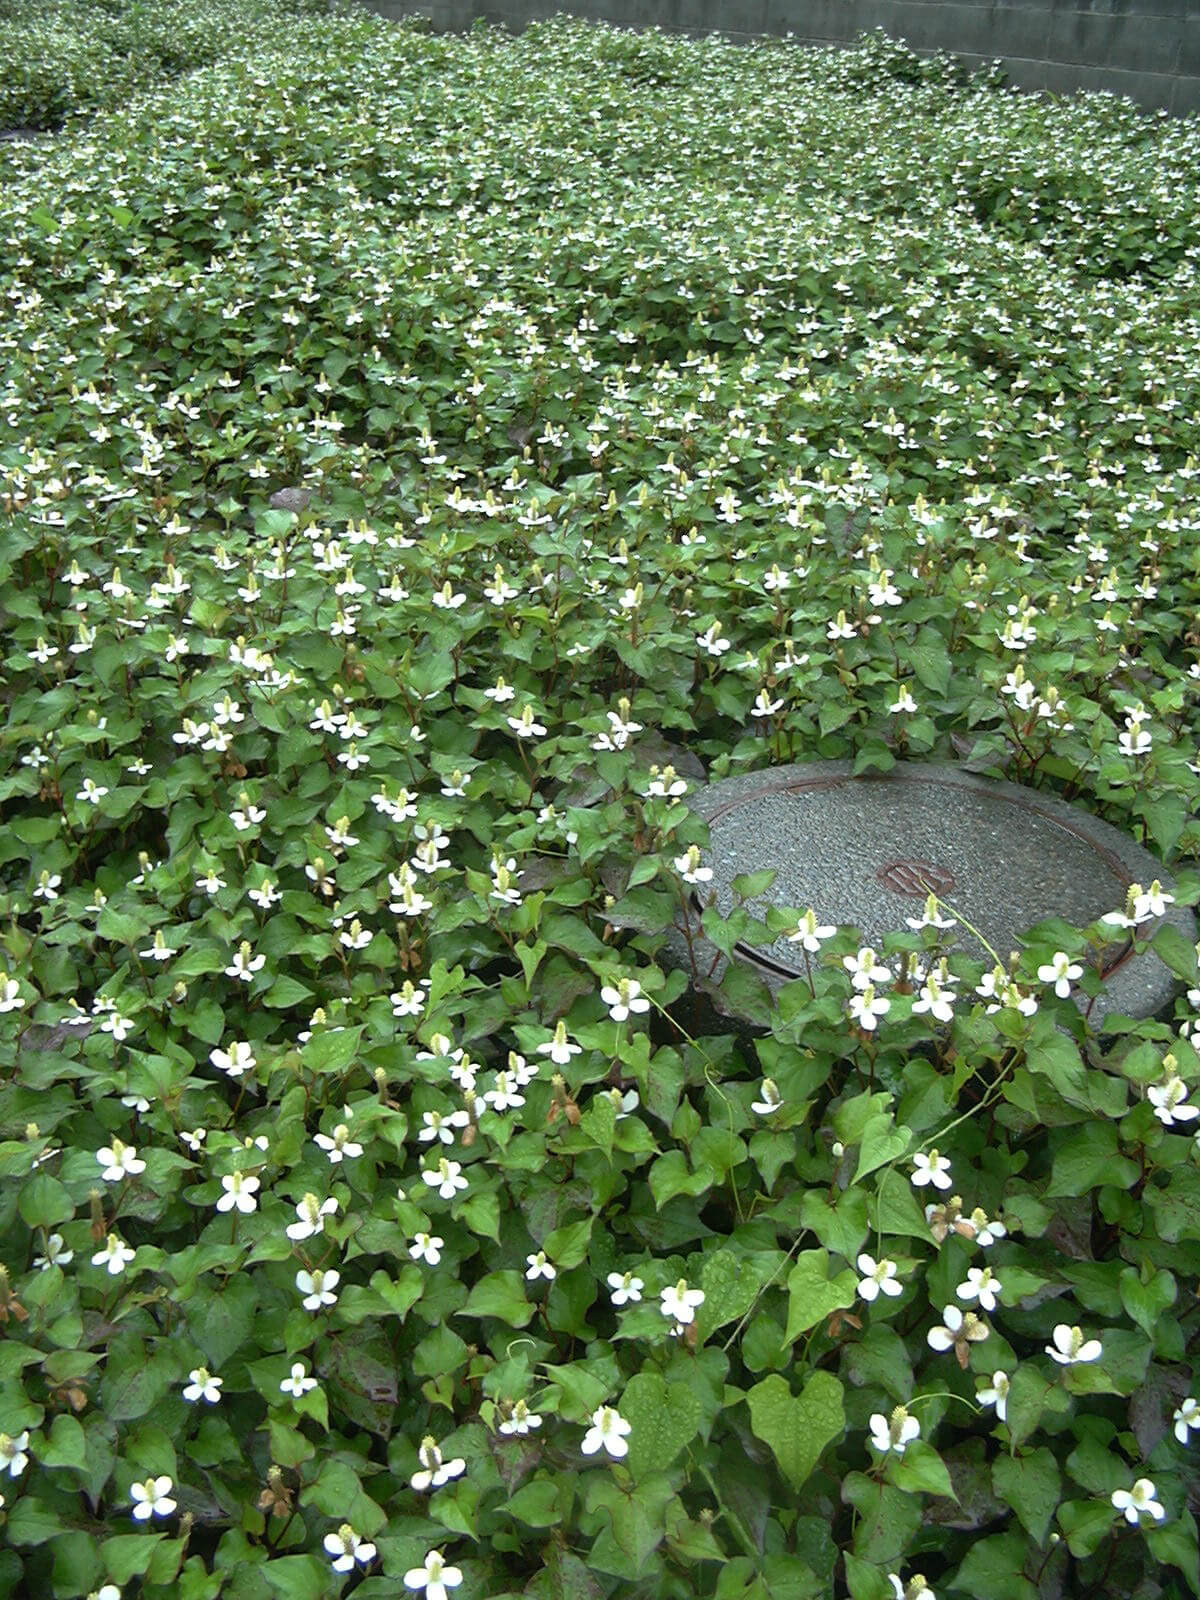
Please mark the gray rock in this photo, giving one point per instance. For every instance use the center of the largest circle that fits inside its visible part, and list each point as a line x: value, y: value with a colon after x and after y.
x: 292, y: 498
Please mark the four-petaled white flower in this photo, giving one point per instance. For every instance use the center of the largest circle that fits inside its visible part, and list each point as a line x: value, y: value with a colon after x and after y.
x: 560, y: 1049
x: 609, y: 1430
x: 679, y: 1302
x: 1138, y: 1502
x: 996, y: 1394
x: 446, y: 1178
x: 14, y: 1457
x: 1169, y: 1100
x: 915, y: 1589
x: 240, y: 1190
x: 624, y: 998
x: 426, y: 1247
x: 298, y: 1381
x: 338, y: 1145
x: 810, y: 934
x: 878, y: 1276
x: 56, y: 1254
x: 980, y: 1285
x: 203, y: 1386
x: 866, y: 1007
x: 244, y: 965
x: 864, y: 968
x: 119, y: 1161
x: 521, y: 1420
x: 932, y: 1168
x: 318, y: 1288
x: 958, y: 1331
x: 152, y: 1498
x: 895, y: 1433
x: 689, y: 869
x: 310, y: 1217
x: 1070, y: 1346
x: 525, y: 726
x: 1186, y: 1417
x: 346, y: 1547
x: 1062, y: 972
x: 435, y: 1471
x: 770, y: 1099
x: 435, y: 1577
x: 625, y: 1287
x: 537, y: 1266
x: 116, y: 1255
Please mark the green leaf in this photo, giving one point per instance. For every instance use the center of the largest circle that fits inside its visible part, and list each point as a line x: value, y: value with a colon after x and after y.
x: 813, y: 1294
x: 127, y: 1555
x: 45, y: 1202
x: 797, y: 1427
x: 881, y: 1143
x: 930, y: 660
x: 66, y: 1444
x: 500, y: 1295
x: 920, y: 1470
x: 994, y: 1568
x: 1031, y: 1485
x: 1146, y: 1295
x: 1090, y: 1159
x: 664, y: 1417
x: 730, y: 1283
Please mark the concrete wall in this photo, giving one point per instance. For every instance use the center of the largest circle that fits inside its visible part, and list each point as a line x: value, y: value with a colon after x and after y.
x: 1146, y: 49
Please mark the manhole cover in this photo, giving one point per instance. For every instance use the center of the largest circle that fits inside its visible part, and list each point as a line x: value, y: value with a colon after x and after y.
x: 866, y: 851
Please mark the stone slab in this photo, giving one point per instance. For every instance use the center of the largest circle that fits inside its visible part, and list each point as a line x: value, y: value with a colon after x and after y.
x: 865, y: 851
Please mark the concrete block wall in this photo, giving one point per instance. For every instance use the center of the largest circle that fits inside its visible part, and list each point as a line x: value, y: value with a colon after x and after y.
x: 1148, y: 50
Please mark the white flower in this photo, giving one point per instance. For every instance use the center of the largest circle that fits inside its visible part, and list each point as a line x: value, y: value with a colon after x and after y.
x: 240, y: 1189
x: 407, y: 1001
x: 339, y: 1145
x: 441, y: 1125
x: 981, y: 1286
x: 878, y: 1276
x: 1062, y: 972
x: 537, y: 1266
x: 624, y: 998
x: 680, y: 1302
x: 932, y: 1168
x: 426, y: 1247
x: 435, y: 1577
x: 346, y: 1547
x: 236, y: 1061
x: 770, y: 1101
x: 244, y: 965
x: 689, y: 869
x: 1138, y: 1502
x: 1187, y: 1416
x: 1153, y: 903
x: 931, y: 917
x: 434, y: 1470
x: 446, y: 1178
x: 894, y: 1433
x: 627, y: 1288
x: 867, y: 1007
x: 939, y: 1003
x: 610, y: 1430
x: 152, y: 1498
x: 1070, y: 1346
x: 864, y: 969
x: 56, y: 1255
x: 298, y: 1381
x: 501, y: 693
x: 203, y: 1386
x: 119, y: 1161
x: 958, y: 1330
x: 310, y: 1217
x: 997, y: 1394
x: 524, y: 726
x: 560, y: 1049
x: 521, y: 1421
x: 10, y: 994
x: 915, y: 1589
x: 13, y: 1453
x: 1168, y: 1100
x: 318, y: 1288
x: 903, y: 701
x: 809, y: 934
x: 116, y: 1255
x: 92, y: 792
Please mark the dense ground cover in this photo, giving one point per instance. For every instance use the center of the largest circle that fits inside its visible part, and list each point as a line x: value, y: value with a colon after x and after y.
x: 378, y: 1210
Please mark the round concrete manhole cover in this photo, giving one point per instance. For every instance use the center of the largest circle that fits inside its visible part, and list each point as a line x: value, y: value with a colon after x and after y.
x: 866, y: 851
